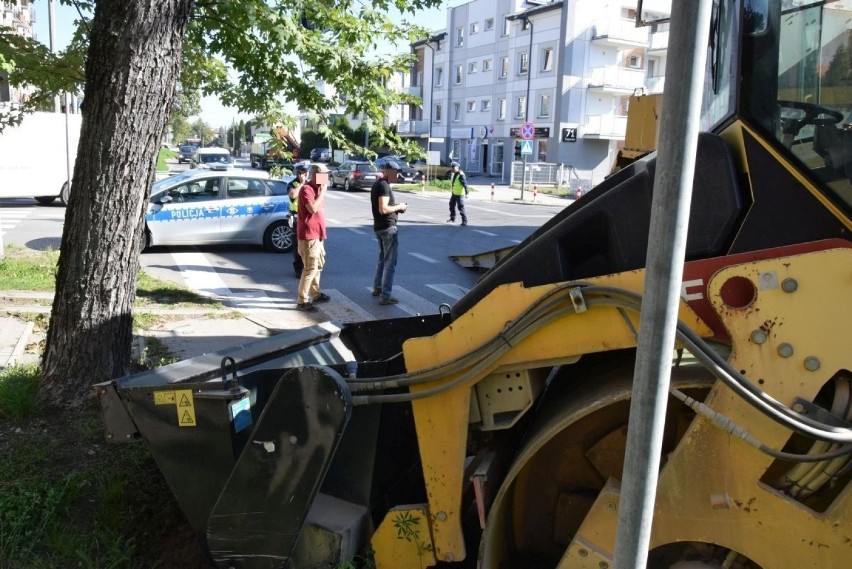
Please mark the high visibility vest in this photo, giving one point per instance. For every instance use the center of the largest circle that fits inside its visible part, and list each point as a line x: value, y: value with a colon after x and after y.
x: 456, y: 188
x: 294, y: 202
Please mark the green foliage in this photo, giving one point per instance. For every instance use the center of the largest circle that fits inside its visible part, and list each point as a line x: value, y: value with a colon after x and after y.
x: 19, y: 392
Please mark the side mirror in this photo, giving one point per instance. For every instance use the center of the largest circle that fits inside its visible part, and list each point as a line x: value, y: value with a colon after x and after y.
x: 163, y: 200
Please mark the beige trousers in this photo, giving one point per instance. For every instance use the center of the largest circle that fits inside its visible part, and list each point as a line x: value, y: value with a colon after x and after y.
x: 312, y: 252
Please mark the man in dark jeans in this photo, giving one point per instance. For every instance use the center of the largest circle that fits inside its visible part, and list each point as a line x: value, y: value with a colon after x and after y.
x: 385, y: 211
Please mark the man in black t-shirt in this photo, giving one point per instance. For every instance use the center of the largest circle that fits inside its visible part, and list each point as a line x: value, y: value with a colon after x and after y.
x: 385, y: 211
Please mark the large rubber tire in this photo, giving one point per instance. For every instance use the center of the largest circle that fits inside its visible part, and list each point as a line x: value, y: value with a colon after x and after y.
x: 145, y: 241
x: 279, y: 237
x: 346, y: 186
x: 45, y: 200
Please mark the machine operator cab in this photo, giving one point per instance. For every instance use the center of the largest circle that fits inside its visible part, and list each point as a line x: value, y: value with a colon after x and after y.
x: 793, y: 84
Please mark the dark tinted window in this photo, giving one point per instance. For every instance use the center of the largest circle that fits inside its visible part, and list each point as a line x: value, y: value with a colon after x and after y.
x: 279, y: 187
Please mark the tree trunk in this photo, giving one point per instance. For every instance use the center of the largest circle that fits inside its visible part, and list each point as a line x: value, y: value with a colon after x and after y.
x: 131, y: 71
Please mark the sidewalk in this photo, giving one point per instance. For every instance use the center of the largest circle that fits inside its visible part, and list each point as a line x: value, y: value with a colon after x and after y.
x: 185, y: 333
x: 487, y: 189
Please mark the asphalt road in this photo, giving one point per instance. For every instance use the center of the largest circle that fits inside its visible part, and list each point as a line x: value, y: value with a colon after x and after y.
x: 250, y: 278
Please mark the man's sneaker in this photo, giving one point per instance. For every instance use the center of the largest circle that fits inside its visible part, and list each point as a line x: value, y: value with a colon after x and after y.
x: 451, y: 220
x: 464, y: 223
x: 377, y: 291
x: 389, y: 300
x: 307, y: 307
x: 323, y: 297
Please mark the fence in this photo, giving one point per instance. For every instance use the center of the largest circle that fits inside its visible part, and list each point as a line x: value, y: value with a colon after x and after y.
x: 560, y: 176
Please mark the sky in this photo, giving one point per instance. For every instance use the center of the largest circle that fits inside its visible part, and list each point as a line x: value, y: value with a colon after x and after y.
x: 213, y: 112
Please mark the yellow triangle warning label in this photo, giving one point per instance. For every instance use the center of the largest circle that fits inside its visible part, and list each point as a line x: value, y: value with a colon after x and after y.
x: 187, y: 419
x: 185, y: 408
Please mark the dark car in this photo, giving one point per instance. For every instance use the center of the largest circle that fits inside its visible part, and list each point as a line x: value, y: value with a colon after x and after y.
x: 406, y: 175
x: 320, y: 155
x: 352, y: 174
x: 186, y: 153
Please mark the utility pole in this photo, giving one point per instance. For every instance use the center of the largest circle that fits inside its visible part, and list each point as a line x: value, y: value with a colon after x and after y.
x: 51, y: 17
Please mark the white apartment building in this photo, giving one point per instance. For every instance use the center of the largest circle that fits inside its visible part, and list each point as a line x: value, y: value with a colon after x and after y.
x: 567, y: 67
x: 19, y: 16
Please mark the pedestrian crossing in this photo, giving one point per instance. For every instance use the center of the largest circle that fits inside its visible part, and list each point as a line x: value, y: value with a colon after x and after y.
x: 10, y: 217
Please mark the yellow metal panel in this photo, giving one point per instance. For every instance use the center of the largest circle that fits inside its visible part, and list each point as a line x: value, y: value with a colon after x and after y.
x: 402, y: 539
x: 710, y: 489
x: 442, y: 420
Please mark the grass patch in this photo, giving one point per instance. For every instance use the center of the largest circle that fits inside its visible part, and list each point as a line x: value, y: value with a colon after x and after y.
x: 21, y: 269
x: 19, y: 392
x: 165, y: 154
x: 155, y: 291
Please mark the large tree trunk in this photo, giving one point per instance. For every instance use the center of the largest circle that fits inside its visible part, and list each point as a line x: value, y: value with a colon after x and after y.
x: 131, y: 70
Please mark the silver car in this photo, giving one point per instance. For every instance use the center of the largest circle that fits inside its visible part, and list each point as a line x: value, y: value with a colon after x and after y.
x: 202, y: 207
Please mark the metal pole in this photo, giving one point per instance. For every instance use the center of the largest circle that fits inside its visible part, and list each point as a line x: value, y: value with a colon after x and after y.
x: 690, y: 25
x: 67, y: 144
x: 51, y: 17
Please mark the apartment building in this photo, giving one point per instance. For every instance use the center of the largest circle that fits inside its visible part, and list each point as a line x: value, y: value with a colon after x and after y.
x: 19, y: 16
x: 569, y: 68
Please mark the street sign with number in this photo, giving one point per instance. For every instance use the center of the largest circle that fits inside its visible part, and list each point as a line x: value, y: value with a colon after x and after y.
x: 569, y: 135
x: 527, y: 131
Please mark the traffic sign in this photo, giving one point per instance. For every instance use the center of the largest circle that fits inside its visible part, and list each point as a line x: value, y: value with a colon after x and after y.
x: 526, y: 147
x: 527, y: 131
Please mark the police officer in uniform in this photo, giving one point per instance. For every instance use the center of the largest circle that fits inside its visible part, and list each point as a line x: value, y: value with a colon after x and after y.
x: 458, y: 192
x: 301, y: 171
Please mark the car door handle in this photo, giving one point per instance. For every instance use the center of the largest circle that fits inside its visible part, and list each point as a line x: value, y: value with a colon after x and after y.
x: 211, y: 209
x: 267, y: 206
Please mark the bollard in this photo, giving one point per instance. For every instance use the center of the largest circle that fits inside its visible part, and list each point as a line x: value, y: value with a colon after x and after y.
x: 492, y: 191
x: 579, y: 193
x: 535, y: 192
x: 423, y: 184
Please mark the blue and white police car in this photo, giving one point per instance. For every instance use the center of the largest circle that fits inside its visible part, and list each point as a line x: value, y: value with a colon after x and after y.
x: 202, y: 207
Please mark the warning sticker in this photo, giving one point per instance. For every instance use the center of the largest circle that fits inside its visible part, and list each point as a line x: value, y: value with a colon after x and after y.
x: 183, y: 402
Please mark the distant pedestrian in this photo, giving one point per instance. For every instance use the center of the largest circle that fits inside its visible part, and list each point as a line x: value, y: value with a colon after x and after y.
x: 385, y: 212
x: 458, y: 193
x: 301, y: 172
x: 312, y: 234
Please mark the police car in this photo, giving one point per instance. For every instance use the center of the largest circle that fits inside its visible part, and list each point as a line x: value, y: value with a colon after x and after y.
x: 202, y: 207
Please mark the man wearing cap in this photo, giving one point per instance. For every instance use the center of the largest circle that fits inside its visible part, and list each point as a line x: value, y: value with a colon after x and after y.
x: 385, y: 212
x: 301, y: 171
x: 458, y: 192
x: 311, y: 233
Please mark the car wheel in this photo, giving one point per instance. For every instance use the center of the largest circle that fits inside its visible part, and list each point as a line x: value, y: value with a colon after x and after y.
x: 145, y: 241
x: 346, y: 185
x: 65, y: 193
x: 279, y: 237
x: 45, y: 200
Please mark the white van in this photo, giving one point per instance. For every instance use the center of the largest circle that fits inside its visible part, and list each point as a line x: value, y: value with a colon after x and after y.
x: 212, y: 158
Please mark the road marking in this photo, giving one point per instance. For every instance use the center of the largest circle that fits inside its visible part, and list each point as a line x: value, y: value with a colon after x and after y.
x: 199, y: 275
x: 508, y: 213
x: 358, y: 231
x: 423, y: 257
x: 11, y: 217
x: 411, y: 303
x: 343, y: 309
x: 332, y: 196
x: 454, y: 291
x: 516, y: 241
x: 488, y: 233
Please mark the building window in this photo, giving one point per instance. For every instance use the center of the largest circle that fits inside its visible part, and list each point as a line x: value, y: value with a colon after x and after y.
x: 507, y: 26
x: 474, y: 28
x: 526, y: 24
x: 459, y: 74
x: 547, y: 59
x: 439, y: 77
x: 542, y: 151
x: 489, y: 24
x: 634, y: 61
x: 501, y: 110
x: 504, y: 66
x: 523, y: 63
x: 485, y: 105
x: 438, y: 112
x: 544, y: 106
x: 521, y: 108
x: 486, y: 65
x: 456, y: 112
x: 471, y: 67
x: 471, y: 106
x: 459, y: 37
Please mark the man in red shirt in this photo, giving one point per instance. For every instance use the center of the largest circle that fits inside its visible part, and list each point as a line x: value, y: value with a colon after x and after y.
x: 311, y: 233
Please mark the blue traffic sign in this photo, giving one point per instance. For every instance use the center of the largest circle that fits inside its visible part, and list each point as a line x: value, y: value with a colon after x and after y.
x: 527, y: 131
x: 526, y: 147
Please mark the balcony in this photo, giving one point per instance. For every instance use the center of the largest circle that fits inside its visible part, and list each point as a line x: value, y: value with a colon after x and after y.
x: 659, y: 41
x: 414, y: 90
x: 619, y: 33
x: 605, y: 127
x: 619, y: 80
x: 412, y: 128
x: 654, y: 85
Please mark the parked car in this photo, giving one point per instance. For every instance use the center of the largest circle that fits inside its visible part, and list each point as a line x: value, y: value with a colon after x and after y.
x: 441, y: 170
x: 406, y: 175
x: 186, y: 153
x: 352, y: 174
x: 212, y: 158
x: 320, y: 155
x: 202, y: 207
